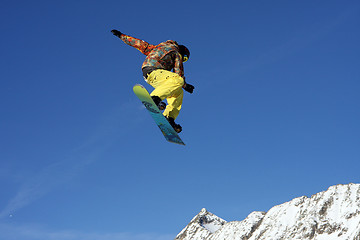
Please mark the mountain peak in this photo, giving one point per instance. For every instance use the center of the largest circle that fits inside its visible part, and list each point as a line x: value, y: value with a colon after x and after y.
x: 203, y: 224
x: 331, y: 214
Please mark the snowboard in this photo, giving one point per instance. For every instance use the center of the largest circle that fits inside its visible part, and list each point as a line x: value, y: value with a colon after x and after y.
x: 167, y: 130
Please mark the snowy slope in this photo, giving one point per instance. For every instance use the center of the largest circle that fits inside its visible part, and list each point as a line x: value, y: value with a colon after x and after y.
x: 332, y: 214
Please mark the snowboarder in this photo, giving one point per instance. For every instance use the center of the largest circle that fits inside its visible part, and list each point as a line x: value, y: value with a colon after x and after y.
x: 160, y: 60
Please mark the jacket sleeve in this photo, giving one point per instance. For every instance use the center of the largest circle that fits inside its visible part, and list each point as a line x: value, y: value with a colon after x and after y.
x: 178, y: 67
x: 140, y: 45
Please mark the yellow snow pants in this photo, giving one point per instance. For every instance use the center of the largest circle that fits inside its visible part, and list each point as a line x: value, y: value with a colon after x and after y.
x: 168, y: 85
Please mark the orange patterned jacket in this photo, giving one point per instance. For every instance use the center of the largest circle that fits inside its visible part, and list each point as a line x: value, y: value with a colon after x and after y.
x: 162, y: 56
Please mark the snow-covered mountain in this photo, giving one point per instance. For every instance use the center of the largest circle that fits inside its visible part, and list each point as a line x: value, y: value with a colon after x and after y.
x: 329, y: 215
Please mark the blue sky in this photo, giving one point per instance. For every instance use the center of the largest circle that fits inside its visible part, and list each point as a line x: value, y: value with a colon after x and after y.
x: 274, y: 115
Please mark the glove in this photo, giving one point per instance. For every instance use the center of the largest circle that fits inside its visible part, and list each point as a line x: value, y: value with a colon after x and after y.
x: 116, y: 32
x: 188, y: 87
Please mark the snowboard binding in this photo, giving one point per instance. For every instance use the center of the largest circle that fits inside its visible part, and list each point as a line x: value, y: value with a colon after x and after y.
x: 175, y: 126
x: 161, y: 105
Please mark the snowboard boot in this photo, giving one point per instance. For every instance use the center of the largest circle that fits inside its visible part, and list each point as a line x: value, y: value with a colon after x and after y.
x: 161, y: 105
x: 176, y: 127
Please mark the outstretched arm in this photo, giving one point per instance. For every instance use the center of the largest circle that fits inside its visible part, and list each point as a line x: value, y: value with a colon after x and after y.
x: 139, y: 44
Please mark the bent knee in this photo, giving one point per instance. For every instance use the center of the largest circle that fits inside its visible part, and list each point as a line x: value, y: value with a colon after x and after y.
x: 180, y: 81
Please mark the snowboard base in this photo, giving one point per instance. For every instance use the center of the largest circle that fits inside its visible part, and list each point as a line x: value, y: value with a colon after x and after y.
x: 167, y: 130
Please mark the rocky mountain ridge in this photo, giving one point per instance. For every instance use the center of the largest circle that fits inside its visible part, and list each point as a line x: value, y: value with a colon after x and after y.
x: 328, y: 215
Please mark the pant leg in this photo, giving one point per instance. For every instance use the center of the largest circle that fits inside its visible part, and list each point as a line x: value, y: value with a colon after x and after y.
x: 174, y: 105
x: 168, y: 85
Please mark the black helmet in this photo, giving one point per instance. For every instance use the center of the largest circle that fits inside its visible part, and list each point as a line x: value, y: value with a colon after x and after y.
x: 185, y: 53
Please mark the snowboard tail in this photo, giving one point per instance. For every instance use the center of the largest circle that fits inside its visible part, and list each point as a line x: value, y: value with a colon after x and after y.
x: 167, y: 130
